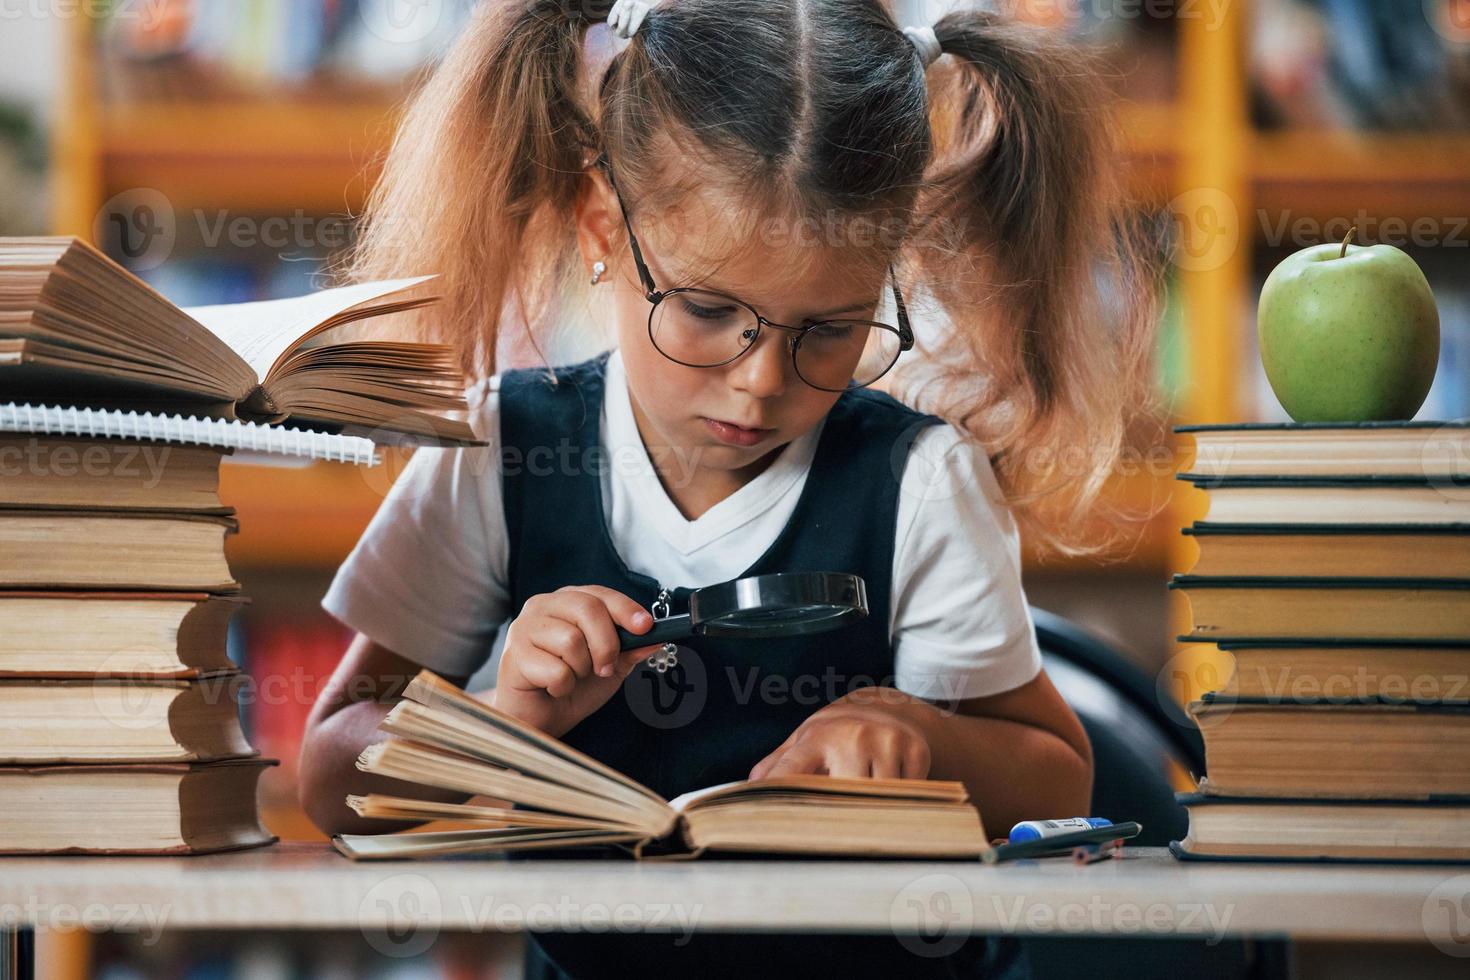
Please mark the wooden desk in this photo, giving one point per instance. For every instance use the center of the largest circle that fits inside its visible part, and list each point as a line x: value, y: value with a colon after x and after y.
x: 304, y: 885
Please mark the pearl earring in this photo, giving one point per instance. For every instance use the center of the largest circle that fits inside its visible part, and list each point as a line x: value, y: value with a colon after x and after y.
x: 599, y: 269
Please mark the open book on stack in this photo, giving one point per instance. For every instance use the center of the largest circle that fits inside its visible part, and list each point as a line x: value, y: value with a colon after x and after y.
x: 440, y: 736
x: 1334, y: 568
x: 77, y: 328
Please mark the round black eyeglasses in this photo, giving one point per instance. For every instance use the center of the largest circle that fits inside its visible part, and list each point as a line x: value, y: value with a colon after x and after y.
x: 705, y: 329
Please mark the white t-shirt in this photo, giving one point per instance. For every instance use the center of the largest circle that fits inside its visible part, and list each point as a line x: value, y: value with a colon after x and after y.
x: 428, y: 580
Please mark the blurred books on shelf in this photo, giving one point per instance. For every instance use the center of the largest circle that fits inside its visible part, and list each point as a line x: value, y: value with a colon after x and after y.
x: 1338, y: 584
x: 288, y: 656
x: 1361, y: 64
x: 230, y: 45
x: 363, y: 954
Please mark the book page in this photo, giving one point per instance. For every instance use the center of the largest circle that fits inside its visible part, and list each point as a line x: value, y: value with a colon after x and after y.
x: 903, y: 789
x: 682, y: 802
x: 263, y: 332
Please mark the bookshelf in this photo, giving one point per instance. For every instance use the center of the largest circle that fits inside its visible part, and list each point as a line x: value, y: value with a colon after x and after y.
x: 1324, y: 174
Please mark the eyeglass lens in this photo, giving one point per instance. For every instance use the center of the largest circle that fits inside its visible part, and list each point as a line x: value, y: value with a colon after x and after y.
x: 705, y: 329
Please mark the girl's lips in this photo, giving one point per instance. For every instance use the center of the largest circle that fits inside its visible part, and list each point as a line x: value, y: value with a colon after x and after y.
x: 735, y: 435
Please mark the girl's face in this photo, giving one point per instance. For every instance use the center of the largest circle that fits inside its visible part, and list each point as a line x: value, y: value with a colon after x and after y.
x: 735, y: 416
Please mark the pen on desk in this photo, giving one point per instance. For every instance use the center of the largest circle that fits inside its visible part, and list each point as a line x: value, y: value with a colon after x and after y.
x: 1036, y: 829
x: 1062, y: 843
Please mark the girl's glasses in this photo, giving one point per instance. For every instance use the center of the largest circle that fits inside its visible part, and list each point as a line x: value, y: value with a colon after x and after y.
x: 700, y: 328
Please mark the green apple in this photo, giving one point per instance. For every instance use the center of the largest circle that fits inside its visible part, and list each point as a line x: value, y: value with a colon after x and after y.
x: 1349, y: 334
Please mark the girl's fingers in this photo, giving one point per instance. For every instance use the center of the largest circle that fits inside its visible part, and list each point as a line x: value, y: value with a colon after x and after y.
x: 800, y: 758
x: 916, y: 761
x: 625, y: 612
x: 886, y: 767
x: 595, y: 634
x: 567, y: 641
x: 598, y: 610
x: 759, y: 770
x: 548, y: 670
x: 849, y: 764
x: 544, y: 670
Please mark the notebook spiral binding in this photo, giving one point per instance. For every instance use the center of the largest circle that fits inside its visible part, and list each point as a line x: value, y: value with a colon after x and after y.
x: 61, y: 420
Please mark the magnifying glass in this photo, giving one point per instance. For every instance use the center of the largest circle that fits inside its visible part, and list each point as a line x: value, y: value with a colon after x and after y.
x: 761, y: 606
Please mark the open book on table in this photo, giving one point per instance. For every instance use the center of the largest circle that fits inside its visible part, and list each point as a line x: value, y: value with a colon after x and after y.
x: 74, y: 324
x: 442, y: 737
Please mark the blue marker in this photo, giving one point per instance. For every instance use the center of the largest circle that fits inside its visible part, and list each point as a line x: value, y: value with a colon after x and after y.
x: 1028, y: 830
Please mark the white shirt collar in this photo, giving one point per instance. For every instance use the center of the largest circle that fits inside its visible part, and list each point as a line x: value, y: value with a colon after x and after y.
x: 630, y: 472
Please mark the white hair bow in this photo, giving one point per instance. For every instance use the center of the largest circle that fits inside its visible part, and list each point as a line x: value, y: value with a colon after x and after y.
x: 626, y: 16
x: 926, y: 42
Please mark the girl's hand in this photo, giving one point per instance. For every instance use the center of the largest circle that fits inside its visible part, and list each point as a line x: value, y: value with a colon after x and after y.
x: 870, y: 732
x: 561, y: 659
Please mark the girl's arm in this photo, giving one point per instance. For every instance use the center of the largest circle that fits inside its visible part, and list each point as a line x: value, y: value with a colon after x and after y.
x: 343, y: 722
x: 561, y: 663
x: 1022, y: 754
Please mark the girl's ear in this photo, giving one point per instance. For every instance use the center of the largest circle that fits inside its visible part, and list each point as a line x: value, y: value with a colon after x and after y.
x: 598, y: 219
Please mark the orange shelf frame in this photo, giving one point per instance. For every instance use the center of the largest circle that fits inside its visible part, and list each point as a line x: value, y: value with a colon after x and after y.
x: 303, y: 517
x: 1324, y: 174
x: 250, y: 156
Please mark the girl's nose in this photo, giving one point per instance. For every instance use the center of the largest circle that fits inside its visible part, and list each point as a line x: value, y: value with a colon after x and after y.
x: 762, y: 372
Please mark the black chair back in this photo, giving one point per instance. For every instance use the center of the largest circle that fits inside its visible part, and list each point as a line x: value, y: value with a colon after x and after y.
x: 1134, y: 737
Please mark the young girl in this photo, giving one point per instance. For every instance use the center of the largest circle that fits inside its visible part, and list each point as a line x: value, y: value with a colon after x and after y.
x: 753, y: 189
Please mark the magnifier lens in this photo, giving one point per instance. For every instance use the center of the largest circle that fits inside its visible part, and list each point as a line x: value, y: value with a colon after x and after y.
x: 786, y: 621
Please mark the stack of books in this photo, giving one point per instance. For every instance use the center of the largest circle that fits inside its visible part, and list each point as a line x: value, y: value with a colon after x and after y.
x: 1334, y: 568
x: 119, y: 706
x: 119, y: 721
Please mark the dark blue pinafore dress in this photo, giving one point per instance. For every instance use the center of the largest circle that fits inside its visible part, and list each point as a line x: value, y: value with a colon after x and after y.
x: 728, y: 703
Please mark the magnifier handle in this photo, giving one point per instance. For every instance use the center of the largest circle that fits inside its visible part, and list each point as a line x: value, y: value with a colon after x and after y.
x: 664, y: 631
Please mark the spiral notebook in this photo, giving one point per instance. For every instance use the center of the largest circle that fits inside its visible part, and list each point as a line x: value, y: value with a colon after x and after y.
x: 59, y: 420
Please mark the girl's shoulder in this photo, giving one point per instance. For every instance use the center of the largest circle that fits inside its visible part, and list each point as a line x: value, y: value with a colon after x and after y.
x: 483, y: 399
x: 872, y: 421
x: 525, y: 387
x: 873, y: 400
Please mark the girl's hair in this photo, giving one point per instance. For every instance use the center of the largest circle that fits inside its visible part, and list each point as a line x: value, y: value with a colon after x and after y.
x: 997, y: 166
